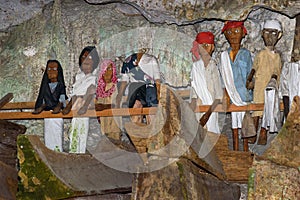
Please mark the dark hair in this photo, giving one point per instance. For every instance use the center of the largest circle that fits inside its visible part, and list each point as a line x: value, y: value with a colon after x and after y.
x: 45, y: 95
x: 92, y: 52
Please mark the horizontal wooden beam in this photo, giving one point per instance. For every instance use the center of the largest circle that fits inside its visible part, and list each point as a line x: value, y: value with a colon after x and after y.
x: 89, y: 113
x: 109, y: 112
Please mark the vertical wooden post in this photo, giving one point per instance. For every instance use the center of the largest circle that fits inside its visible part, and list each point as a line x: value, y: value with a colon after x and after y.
x: 296, y: 47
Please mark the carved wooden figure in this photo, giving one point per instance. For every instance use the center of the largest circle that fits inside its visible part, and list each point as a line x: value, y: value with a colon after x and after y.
x: 236, y: 63
x: 266, y: 70
x: 52, y: 96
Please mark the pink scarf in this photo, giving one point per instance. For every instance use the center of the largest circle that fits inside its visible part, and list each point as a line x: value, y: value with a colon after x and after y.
x: 101, y: 92
x: 195, y: 51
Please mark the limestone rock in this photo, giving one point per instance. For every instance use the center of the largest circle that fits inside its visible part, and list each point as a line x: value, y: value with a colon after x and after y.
x: 285, y: 148
x: 184, y: 12
x: 276, y: 175
x: 269, y: 180
x: 182, y: 180
x: 48, y: 174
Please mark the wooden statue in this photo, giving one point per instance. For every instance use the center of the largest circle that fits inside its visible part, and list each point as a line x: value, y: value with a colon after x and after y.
x: 266, y: 68
x: 84, y: 90
x: 52, y: 96
x: 205, y: 78
x: 236, y: 63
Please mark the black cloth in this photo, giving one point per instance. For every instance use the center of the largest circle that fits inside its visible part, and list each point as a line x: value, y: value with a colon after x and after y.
x: 143, y: 91
x: 45, y: 95
x: 146, y: 94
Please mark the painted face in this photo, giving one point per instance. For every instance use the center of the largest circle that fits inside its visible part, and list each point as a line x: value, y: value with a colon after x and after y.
x: 52, y: 71
x: 86, y: 63
x: 209, y: 48
x: 234, y: 35
x: 107, y: 76
x: 270, y: 36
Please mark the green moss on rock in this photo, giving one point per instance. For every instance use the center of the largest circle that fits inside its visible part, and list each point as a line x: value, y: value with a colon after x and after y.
x: 36, y: 180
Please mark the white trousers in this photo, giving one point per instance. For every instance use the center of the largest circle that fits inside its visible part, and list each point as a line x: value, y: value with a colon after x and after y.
x: 53, y: 133
x: 78, y: 134
x: 237, y: 119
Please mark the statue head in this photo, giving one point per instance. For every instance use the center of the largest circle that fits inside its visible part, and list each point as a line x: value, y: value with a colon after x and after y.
x: 234, y: 32
x: 272, y: 32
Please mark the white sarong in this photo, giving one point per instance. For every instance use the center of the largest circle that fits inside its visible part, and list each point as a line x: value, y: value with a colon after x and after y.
x: 199, y: 83
x: 226, y: 72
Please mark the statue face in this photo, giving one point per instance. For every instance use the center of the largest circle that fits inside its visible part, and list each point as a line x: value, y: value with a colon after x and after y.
x: 209, y: 48
x: 52, y: 71
x: 107, y: 76
x: 270, y: 36
x: 234, y: 35
x: 86, y: 63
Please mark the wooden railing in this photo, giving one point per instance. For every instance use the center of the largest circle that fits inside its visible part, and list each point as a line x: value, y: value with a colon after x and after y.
x: 23, y: 110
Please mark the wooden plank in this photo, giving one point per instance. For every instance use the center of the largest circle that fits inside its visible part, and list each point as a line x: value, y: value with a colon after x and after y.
x: 202, y: 108
x: 89, y: 113
x: 6, y: 99
x: 111, y: 112
x: 234, y: 108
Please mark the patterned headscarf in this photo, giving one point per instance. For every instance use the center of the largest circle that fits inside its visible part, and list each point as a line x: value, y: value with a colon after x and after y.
x: 100, y: 92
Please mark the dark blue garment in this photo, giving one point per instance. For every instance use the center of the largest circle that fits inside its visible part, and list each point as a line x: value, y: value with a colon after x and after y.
x: 130, y: 67
x: 142, y: 90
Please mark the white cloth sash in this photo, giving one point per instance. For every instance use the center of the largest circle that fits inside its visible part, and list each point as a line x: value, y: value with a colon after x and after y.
x: 199, y: 84
x: 271, y: 116
x: 227, y: 75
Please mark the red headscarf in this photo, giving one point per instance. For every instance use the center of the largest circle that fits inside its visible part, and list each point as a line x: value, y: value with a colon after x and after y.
x: 202, y: 37
x: 205, y: 37
x: 234, y: 24
x: 100, y: 92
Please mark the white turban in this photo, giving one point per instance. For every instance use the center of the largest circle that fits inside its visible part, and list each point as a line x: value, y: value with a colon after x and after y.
x: 272, y: 24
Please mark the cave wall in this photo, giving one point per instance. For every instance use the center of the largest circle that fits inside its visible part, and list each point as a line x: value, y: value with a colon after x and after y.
x: 61, y: 29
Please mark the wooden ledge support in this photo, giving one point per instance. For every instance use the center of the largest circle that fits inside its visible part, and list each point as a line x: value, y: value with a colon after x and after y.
x: 4, y: 114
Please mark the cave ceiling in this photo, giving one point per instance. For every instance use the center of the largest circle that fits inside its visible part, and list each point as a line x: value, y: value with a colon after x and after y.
x: 191, y: 11
x: 178, y: 12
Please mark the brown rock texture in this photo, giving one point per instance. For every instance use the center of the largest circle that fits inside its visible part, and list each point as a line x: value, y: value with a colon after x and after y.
x: 9, y: 181
x: 276, y: 175
x: 182, y: 180
x: 9, y: 132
